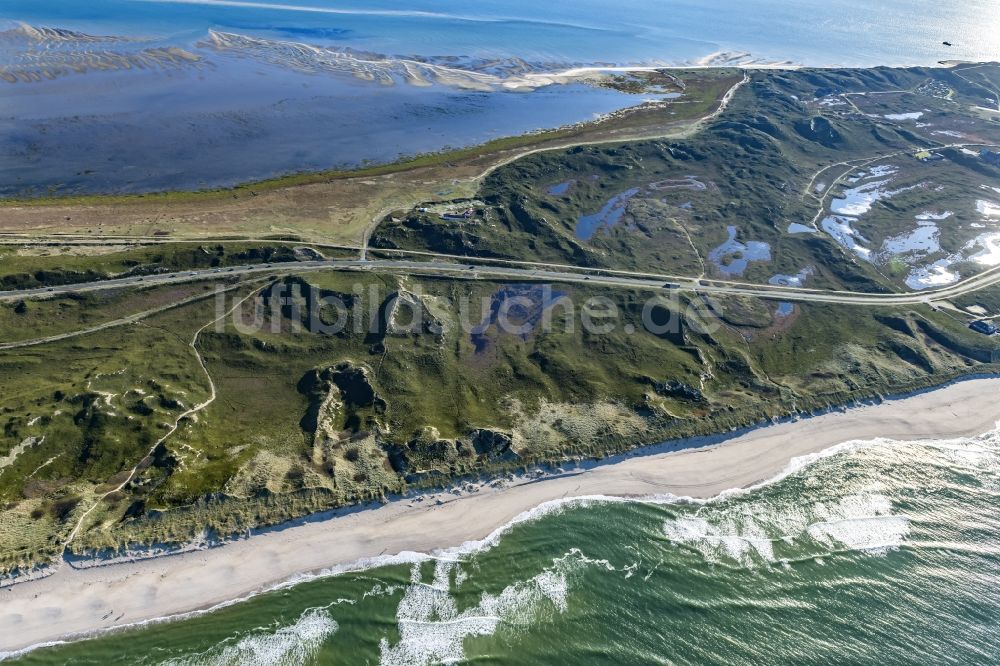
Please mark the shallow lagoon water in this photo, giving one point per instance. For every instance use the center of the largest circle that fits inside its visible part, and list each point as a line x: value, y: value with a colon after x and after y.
x: 989, y: 255
x: 784, y: 309
x: 797, y: 280
x: 733, y: 257
x: 585, y: 31
x: 988, y: 208
x: 250, y: 121
x: 134, y: 132
x: 609, y: 215
x: 923, y: 240
x: 915, y: 247
x: 839, y: 227
x: 859, y: 200
x: 937, y: 274
x: 560, y: 189
x: 984, y: 250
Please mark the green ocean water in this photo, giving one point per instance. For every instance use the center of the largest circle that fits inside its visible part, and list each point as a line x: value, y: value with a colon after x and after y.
x: 872, y: 553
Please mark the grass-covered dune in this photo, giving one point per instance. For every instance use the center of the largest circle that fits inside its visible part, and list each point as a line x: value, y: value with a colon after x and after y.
x: 33, y: 265
x: 142, y: 417
x: 761, y: 166
x: 319, y: 406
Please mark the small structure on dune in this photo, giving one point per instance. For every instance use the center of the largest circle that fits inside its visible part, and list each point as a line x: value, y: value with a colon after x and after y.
x: 990, y: 156
x: 460, y: 215
x: 928, y: 156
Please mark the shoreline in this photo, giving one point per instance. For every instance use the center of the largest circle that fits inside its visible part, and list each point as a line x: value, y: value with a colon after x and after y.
x: 70, y: 602
x: 525, y: 140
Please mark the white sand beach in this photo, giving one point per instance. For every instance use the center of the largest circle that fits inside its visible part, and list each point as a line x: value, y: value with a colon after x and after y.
x: 72, y: 602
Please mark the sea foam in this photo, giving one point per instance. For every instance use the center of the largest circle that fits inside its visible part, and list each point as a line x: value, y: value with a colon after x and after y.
x: 432, y: 630
x: 293, y: 644
x: 747, y: 534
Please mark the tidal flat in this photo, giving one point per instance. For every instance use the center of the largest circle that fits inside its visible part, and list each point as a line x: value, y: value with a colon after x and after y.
x: 86, y: 114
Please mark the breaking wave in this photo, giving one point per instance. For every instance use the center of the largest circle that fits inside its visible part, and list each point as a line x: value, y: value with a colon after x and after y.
x: 432, y: 630
x: 750, y: 534
x: 293, y: 644
x: 856, y: 497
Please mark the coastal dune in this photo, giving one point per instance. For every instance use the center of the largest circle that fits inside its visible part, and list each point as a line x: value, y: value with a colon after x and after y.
x: 77, y: 601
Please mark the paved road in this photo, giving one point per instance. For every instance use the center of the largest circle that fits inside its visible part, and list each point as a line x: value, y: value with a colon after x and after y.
x: 479, y: 270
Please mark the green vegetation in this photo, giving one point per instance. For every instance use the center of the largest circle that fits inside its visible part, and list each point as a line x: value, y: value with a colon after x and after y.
x: 27, y: 267
x: 665, y: 205
x: 644, y: 82
x: 306, y: 419
x: 77, y: 414
x: 706, y: 85
x: 26, y: 319
x: 183, y: 423
x: 340, y: 207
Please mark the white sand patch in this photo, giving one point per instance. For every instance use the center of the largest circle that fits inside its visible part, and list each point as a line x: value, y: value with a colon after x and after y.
x: 12, y: 455
x: 938, y: 274
x: 988, y: 208
x: 929, y: 215
x: 922, y: 240
x: 841, y: 230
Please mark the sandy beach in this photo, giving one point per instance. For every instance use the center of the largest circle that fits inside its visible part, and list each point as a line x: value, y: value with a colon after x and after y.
x: 73, y: 602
